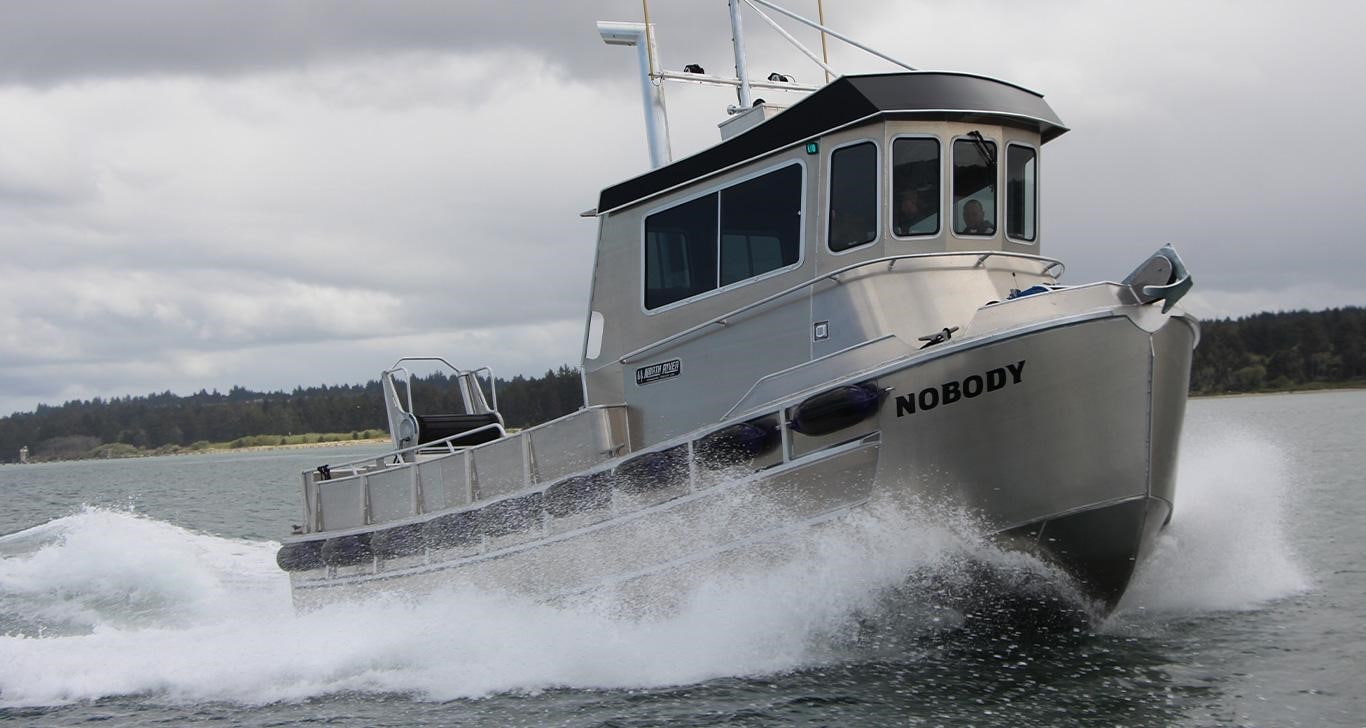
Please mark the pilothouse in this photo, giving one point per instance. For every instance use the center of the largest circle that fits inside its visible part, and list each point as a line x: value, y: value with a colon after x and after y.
x: 901, y: 168
x: 841, y: 300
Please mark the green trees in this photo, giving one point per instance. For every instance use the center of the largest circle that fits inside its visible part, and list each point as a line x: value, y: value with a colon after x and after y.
x: 1273, y: 351
x: 158, y: 420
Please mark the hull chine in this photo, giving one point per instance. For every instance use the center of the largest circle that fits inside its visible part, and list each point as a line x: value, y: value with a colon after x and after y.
x: 1099, y: 548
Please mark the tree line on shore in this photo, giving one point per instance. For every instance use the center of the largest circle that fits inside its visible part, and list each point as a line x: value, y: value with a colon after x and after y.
x: 156, y: 422
x: 1270, y: 352
x: 1262, y: 352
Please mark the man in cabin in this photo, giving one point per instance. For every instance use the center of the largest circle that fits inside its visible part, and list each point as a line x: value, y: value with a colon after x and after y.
x: 975, y: 220
x: 913, y: 215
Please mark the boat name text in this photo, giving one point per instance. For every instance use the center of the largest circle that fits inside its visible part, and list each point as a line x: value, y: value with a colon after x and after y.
x: 655, y: 372
x: 950, y: 392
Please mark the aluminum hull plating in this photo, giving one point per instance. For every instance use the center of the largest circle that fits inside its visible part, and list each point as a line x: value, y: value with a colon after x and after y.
x: 1075, y: 460
x: 1060, y: 437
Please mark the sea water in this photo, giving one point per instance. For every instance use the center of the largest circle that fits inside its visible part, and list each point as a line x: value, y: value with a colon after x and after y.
x: 145, y: 592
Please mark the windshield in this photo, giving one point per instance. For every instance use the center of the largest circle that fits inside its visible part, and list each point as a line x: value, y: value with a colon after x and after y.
x: 974, y: 186
x: 915, y: 186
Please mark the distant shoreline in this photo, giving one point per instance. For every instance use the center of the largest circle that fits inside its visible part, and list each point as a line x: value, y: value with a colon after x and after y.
x: 214, y: 451
x: 128, y: 453
x: 290, y: 446
x: 1350, y: 387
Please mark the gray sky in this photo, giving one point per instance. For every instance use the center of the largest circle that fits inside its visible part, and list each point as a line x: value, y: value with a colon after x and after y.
x: 202, y: 193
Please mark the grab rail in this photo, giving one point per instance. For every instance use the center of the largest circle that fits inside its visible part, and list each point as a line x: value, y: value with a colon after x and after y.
x: 891, y: 261
x: 448, y: 442
x: 408, y: 384
x: 361, y: 469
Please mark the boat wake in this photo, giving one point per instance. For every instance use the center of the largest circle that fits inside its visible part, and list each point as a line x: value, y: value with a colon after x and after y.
x: 1227, y: 547
x: 106, y: 603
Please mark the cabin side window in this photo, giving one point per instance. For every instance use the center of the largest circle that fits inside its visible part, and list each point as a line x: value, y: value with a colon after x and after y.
x: 740, y: 232
x: 915, y: 186
x: 1022, y: 192
x: 853, y: 196
x: 974, y: 186
x: 761, y: 225
x: 680, y: 252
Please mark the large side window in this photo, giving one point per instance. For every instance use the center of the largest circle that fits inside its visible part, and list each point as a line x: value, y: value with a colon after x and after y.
x: 853, y: 196
x: 680, y: 252
x: 974, y: 186
x: 740, y: 232
x: 915, y: 186
x: 1022, y: 192
x: 761, y: 224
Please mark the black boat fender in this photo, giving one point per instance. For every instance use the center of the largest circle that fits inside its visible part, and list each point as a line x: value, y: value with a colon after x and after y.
x: 578, y: 494
x: 392, y: 543
x: 300, y: 556
x: 836, y: 409
x: 511, y: 515
x: 654, y: 470
x: 737, y: 443
x: 451, y: 530
x: 347, y: 550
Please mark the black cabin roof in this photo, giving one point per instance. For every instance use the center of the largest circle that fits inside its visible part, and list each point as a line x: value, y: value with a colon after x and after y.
x: 912, y: 95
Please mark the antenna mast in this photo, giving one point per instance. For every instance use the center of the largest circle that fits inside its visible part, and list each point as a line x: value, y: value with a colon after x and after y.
x: 652, y: 94
x: 641, y: 35
x: 737, y: 40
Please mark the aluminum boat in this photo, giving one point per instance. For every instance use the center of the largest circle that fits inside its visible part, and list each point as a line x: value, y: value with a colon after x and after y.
x: 842, y: 299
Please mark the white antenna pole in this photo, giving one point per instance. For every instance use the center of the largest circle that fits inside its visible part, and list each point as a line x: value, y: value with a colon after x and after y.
x: 818, y: 26
x: 738, y: 41
x: 657, y: 124
x: 793, y: 40
x: 652, y: 95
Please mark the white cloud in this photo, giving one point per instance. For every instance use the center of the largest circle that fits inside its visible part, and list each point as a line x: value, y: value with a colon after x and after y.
x: 244, y: 212
x: 285, y: 196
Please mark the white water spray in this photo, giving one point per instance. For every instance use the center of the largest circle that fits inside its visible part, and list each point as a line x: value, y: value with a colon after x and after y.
x: 1226, y: 547
x: 106, y: 603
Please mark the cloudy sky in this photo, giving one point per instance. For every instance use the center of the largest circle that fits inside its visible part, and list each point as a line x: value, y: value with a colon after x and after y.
x: 202, y: 193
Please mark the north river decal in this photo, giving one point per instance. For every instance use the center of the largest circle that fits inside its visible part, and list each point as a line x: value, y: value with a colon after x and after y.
x: 657, y: 372
x: 969, y: 387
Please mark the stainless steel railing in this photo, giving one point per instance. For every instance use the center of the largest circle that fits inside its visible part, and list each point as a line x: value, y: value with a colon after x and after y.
x: 890, y: 260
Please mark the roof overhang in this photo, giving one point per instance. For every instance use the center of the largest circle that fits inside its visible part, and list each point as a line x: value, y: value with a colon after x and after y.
x: 928, y: 95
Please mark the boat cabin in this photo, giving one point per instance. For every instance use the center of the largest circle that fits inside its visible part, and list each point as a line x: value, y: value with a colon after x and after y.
x: 779, y: 255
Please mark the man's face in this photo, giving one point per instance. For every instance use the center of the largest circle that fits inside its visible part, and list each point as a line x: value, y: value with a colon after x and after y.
x: 972, y: 214
x: 910, y: 205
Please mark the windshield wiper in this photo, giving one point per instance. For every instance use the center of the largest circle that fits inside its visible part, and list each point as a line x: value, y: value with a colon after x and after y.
x: 984, y: 148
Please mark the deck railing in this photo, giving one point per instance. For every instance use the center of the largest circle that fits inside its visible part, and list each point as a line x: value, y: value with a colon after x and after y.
x: 415, y: 480
x: 890, y: 260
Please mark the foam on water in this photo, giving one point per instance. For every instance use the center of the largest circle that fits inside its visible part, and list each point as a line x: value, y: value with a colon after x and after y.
x: 1226, y: 547
x: 105, y: 603
x: 127, y: 605
x: 102, y: 568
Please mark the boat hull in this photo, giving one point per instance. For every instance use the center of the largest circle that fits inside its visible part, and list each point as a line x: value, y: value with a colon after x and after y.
x: 1059, y: 439
x: 1073, y: 455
